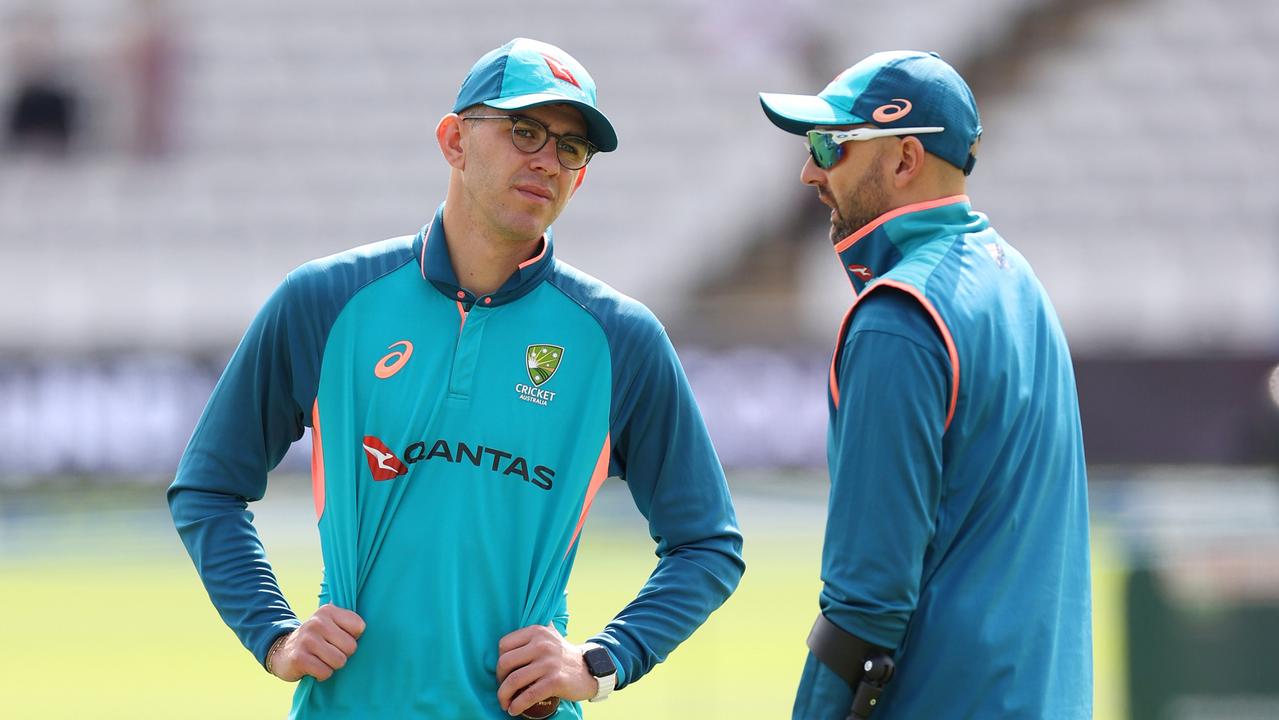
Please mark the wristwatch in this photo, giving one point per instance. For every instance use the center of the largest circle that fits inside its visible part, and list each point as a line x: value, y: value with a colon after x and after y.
x: 600, y: 664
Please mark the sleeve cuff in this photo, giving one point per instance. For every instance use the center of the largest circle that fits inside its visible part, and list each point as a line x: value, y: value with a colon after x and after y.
x: 278, y: 629
x: 607, y: 643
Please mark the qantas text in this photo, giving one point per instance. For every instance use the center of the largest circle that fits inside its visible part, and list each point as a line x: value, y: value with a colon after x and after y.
x: 478, y: 455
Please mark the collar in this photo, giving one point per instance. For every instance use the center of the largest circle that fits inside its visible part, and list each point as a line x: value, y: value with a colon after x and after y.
x: 432, y: 253
x: 885, y: 241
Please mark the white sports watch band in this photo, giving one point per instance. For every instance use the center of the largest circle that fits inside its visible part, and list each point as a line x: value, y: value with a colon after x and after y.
x: 606, y: 683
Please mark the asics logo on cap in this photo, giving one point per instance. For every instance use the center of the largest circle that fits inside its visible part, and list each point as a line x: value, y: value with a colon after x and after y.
x: 392, y: 362
x: 559, y: 71
x: 890, y: 112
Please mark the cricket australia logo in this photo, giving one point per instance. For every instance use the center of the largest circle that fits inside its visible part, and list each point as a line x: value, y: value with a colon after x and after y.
x: 541, y: 362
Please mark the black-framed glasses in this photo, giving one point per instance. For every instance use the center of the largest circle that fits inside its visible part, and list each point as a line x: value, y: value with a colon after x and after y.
x: 529, y: 135
x: 825, y: 145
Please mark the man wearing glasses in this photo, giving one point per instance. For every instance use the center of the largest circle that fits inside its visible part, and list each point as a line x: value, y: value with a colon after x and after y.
x: 467, y: 395
x: 955, y: 565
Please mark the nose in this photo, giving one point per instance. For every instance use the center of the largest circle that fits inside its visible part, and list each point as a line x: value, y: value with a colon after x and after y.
x: 545, y: 159
x: 810, y: 174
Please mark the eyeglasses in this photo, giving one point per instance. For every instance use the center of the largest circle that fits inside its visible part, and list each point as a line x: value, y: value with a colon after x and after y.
x: 825, y: 145
x: 529, y: 136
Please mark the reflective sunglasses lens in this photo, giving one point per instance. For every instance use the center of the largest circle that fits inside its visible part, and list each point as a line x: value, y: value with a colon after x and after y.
x: 824, y: 150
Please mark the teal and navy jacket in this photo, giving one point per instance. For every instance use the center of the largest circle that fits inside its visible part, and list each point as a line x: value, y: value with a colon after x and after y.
x: 458, y: 441
x: 957, y: 533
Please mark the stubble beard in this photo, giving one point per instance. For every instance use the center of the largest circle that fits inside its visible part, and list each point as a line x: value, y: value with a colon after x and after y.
x: 866, y: 202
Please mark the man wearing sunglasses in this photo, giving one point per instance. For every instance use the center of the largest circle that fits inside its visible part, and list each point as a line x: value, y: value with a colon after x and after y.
x: 955, y: 565
x: 467, y: 395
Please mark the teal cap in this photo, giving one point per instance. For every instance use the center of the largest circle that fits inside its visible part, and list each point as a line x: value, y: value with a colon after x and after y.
x: 896, y: 89
x: 526, y: 73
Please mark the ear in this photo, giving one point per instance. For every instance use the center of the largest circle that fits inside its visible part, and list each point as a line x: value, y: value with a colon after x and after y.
x: 449, y: 134
x: 910, y: 161
x: 581, y: 177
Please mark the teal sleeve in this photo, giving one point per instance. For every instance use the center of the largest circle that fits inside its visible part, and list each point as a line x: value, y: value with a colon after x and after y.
x: 662, y: 449
x: 885, y: 463
x: 247, y: 426
x: 258, y: 409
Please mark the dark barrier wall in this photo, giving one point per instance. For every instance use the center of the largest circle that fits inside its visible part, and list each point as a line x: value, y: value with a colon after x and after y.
x: 130, y: 415
x: 1218, y: 411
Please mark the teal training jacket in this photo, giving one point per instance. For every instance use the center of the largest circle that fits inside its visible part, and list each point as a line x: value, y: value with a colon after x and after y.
x: 458, y: 444
x: 957, y: 533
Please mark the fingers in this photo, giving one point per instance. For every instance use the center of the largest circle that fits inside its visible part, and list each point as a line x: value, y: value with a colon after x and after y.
x: 339, y: 627
x: 536, y: 663
x: 520, y: 637
x: 523, y: 646
x: 335, y: 637
x: 348, y: 621
x: 307, y: 653
x: 328, y: 654
x: 321, y: 645
x: 519, y: 681
x: 526, y: 655
x: 530, y: 696
x: 513, y: 659
x: 308, y: 663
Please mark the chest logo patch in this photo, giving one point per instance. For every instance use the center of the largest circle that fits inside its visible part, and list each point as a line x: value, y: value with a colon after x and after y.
x: 862, y: 272
x: 542, y: 361
x: 996, y: 252
x: 383, y: 463
x: 392, y: 362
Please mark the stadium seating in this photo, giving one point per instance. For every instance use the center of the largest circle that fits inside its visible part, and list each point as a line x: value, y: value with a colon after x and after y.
x: 305, y: 128
x: 1128, y: 156
x: 1134, y: 167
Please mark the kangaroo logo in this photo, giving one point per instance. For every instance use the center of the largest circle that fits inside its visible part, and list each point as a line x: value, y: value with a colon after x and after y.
x: 383, y: 463
x: 862, y: 272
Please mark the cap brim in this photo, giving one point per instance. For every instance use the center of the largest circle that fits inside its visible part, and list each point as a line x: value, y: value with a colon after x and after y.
x: 799, y: 113
x: 598, y: 128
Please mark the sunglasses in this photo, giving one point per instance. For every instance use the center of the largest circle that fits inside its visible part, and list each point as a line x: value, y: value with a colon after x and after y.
x: 826, y: 145
x: 530, y: 136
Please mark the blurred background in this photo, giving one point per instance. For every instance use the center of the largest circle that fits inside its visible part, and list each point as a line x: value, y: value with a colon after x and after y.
x: 164, y: 164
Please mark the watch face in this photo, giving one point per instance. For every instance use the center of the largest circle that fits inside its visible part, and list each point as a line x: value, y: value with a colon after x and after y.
x: 599, y: 663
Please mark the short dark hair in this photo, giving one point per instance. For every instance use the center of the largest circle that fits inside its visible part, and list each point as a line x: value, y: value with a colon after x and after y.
x: 473, y: 110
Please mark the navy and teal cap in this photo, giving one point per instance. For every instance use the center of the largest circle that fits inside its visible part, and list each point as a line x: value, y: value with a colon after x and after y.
x: 896, y: 89
x: 526, y: 73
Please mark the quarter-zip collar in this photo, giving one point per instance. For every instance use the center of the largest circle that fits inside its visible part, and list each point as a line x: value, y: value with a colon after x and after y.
x: 879, y: 246
x: 432, y: 252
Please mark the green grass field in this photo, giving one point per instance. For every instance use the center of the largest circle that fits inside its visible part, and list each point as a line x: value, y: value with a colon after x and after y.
x: 105, y: 617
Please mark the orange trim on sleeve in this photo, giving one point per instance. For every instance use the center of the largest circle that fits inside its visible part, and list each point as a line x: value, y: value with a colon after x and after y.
x: 949, y: 341
x: 317, y: 461
x: 834, y: 358
x: 597, y: 479
x: 851, y: 240
x: 951, y: 350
